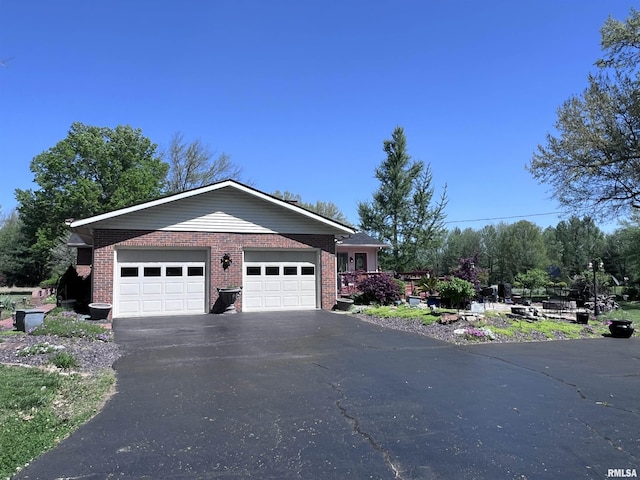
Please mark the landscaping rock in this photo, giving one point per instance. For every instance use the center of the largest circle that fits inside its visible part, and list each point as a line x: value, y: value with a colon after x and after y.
x: 447, y: 318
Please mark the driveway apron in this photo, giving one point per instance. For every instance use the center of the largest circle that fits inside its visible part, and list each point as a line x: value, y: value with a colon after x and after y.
x: 321, y: 395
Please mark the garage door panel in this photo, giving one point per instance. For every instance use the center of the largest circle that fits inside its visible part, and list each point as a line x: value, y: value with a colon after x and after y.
x: 193, y: 305
x: 151, y: 288
x: 272, y: 302
x: 129, y: 307
x: 307, y: 285
x: 271, y: 286
x: 195, y: 287
x: 130, y: 289
x: 174, y: 305
x: 291, y: 301
x: 291, y: 286
x: 174, y: 288
x: 152, y: 306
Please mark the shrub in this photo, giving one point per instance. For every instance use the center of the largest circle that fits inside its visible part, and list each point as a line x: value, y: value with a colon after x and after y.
x: 456, y: 290
x: 64, y: 360
x: 380, y: 289
x: 402, y: 286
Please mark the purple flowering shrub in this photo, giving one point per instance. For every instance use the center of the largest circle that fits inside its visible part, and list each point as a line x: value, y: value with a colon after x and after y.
x: 382, y: 289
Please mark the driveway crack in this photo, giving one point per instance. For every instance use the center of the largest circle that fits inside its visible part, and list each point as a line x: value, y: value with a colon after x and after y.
x: 552, y: 377
x: 386, y: 455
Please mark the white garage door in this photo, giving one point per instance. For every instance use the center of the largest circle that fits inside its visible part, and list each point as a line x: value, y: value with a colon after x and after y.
x: 279, y: 281
x: 154, y: 282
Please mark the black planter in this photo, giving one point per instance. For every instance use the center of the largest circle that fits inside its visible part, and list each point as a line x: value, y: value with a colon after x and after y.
x: 621, y: 328
x: 99, y: 311
x: 227, y: 298
x: 582, y: 317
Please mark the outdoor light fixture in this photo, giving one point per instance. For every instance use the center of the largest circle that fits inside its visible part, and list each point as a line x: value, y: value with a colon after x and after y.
x: 226, y: 261
x: 595, y: 266
x: 350, y: 259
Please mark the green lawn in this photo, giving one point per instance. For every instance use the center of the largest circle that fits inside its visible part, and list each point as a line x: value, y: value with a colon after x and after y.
x: 38, y: 409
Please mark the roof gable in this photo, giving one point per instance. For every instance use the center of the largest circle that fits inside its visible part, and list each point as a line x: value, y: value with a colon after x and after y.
x: 226, y: 206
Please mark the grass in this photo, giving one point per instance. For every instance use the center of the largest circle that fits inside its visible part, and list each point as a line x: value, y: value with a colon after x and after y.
x: 407, y: 312
x: 66, y: 324
x: 501, y: 325
x: 38, y: 409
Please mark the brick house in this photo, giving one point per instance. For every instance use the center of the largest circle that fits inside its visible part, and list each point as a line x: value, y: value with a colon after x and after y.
x: 167, y: 256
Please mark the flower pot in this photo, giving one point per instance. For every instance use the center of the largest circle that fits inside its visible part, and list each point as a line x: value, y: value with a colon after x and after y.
x: 99, y: 311
x: 414, y: 300
x: 582, y: 317
x: 344, y: 304
x: 227, y: 298
x: 621, y: 328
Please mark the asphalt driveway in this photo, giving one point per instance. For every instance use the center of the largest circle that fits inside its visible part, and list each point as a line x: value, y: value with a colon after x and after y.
x: 319, y: 395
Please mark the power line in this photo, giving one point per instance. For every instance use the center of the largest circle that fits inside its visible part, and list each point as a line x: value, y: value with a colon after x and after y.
x: 504, y: 218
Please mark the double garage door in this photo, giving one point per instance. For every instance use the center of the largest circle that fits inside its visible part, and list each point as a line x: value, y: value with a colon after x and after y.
x: 174, y: 282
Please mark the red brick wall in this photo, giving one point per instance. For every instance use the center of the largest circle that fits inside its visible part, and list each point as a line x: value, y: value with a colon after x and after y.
x: 105, y: 241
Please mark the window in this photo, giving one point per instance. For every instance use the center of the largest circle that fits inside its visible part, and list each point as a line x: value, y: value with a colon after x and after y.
x: 361, y: 261
x: 252, y: 271
x: 174, y: 271
x: 272, y: 270
x: 290, y: 270
x: 129, y: 271
x: 308, y: 270
x: 195, y: 271
x: 152, y: 271
x: 343, y: 261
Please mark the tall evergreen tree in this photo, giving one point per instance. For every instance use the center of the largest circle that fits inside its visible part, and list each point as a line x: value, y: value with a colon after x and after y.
x: 402, y: 212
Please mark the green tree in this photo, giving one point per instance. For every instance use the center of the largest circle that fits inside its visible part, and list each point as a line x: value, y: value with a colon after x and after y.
x: 93, y: 170
x: 490, y: 251
x: 326, y: 209
x: 593, y: 163
x: 460, y: 244
x: 521, y: 247
x: 194, y: 165
x: 402, y: 212
x: 532, y: 279
x: 15, y: 268
x: 580, y: 241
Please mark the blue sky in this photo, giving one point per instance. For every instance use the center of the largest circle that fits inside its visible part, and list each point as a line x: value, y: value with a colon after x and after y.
x: 302, y: 94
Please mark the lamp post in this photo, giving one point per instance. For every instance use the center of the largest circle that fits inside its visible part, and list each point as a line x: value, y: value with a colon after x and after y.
x: 595, y: 266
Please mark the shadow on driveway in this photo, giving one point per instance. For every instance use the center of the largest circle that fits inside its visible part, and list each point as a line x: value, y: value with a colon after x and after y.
x: 323, y: 395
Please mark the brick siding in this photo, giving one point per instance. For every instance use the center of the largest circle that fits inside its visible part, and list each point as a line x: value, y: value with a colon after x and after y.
x: 105, y: 241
